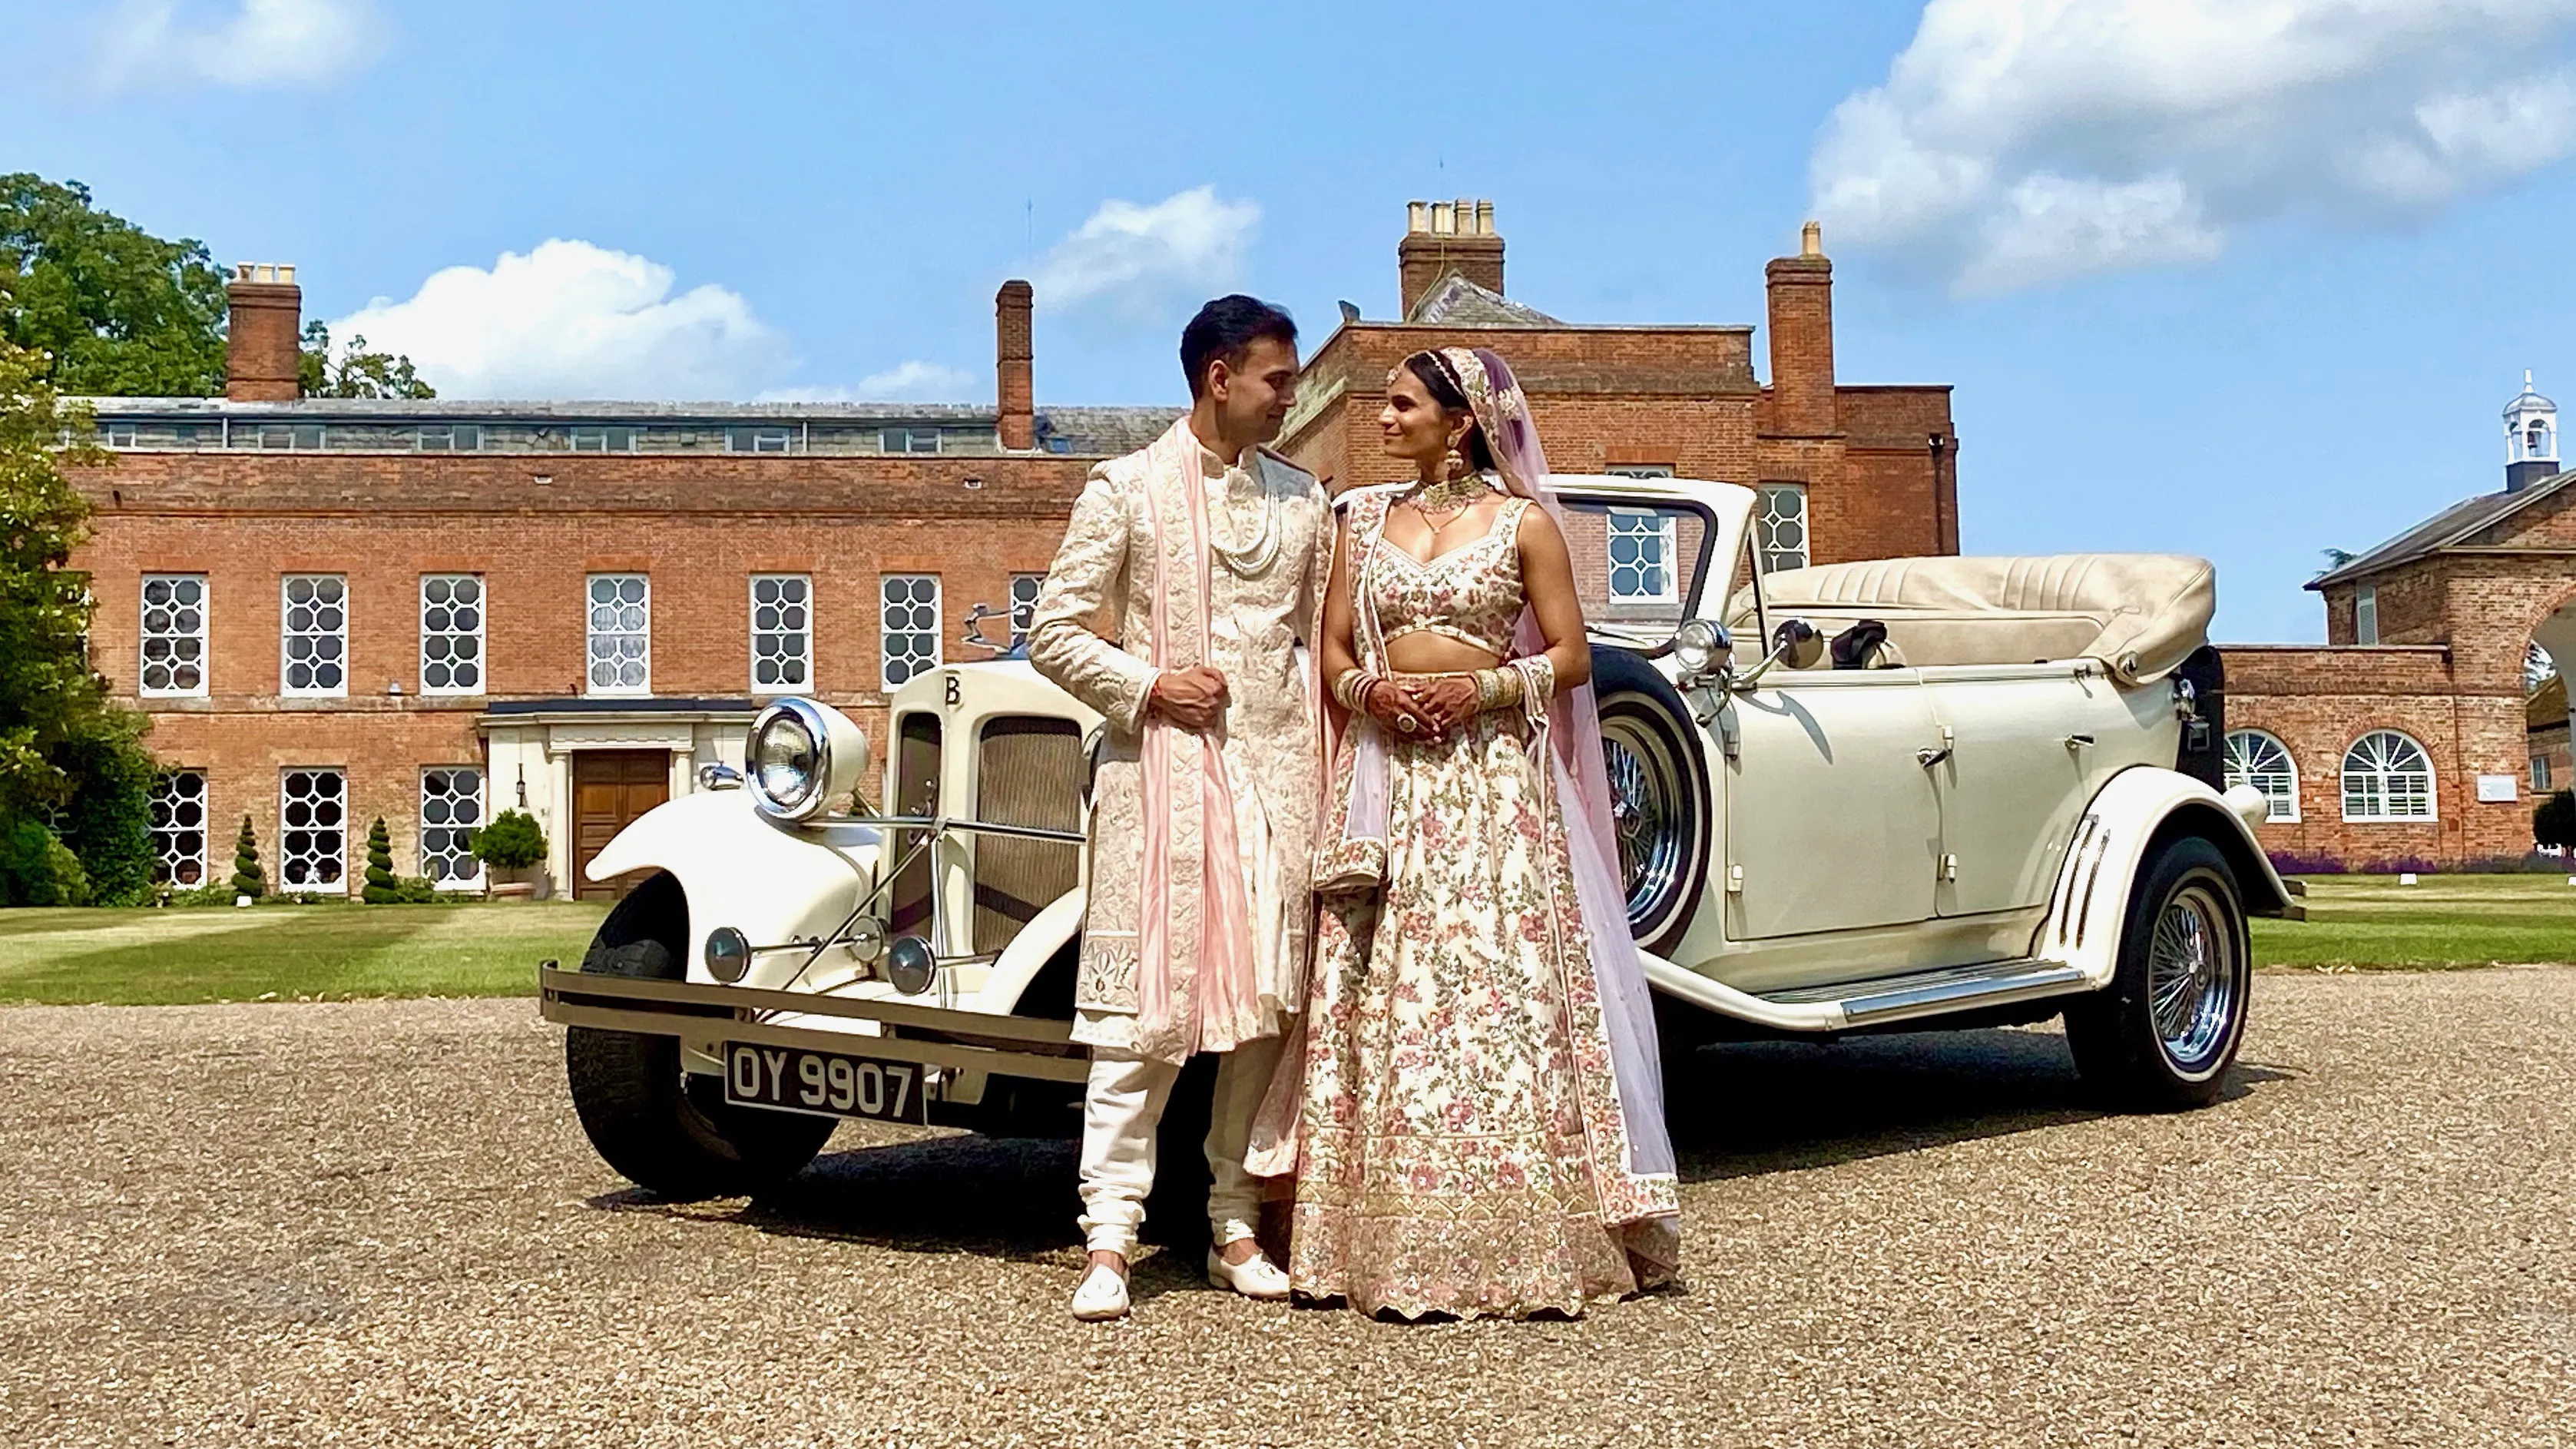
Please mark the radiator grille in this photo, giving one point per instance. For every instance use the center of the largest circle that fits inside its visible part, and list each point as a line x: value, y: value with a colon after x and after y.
x: 914, y: 790
x: 1030, y: 773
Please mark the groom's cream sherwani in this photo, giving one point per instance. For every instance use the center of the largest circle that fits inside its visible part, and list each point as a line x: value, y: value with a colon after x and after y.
x: 1269, y: 529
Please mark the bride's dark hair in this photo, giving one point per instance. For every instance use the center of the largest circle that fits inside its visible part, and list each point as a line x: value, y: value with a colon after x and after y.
x: 1446, y: 390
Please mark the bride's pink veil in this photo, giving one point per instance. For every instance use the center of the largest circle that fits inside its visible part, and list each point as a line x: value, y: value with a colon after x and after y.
x: 1582, y: 783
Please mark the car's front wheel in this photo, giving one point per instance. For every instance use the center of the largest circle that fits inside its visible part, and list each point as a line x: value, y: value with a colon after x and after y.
x: 2164, y: 1033
x: 1659, y: 796
x: 657, y: 1125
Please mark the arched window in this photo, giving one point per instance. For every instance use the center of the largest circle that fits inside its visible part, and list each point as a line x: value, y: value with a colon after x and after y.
x: 2257, y: 759
x: 2387, y: 776
x: 2535, y: 439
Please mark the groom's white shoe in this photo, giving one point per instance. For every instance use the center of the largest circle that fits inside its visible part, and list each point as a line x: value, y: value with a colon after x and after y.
x: 1254, y: 1277
x: 1101, y: 1295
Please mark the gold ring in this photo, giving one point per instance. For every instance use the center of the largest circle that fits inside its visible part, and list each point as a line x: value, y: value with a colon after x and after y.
x: 1404, y: 723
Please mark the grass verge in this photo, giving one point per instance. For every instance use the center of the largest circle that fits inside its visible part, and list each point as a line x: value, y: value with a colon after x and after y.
x: 2367, y: 922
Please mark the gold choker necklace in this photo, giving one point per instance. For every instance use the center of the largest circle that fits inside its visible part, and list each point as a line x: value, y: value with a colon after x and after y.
x: 1442, y: 500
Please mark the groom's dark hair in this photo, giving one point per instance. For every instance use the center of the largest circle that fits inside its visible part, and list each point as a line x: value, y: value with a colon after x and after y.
x: 1226, y: 329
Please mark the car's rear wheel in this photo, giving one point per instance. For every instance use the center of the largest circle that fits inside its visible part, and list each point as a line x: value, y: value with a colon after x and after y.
x: 2163, y: 1034
x: 663, y: 1128
x: 1659, y: 794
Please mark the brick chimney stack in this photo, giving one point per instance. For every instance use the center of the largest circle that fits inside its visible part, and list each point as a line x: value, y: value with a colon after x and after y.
x: 1801, y: 292
x: 1013, y: 359
x: 1441, y: 237
x: 264, y: 351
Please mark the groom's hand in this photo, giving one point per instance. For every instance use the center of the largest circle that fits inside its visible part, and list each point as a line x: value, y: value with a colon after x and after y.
x: 1193, y: 698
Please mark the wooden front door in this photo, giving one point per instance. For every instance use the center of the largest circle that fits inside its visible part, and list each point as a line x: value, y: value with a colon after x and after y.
x: 610, y: 788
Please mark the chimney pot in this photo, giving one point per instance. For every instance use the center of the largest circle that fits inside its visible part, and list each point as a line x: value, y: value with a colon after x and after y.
x: 263, y: 345
x: 1442, y: 237
x: 1417, y: 216
x: 1484, y: 218
x: 1017, y: 426
x: 1811, y: 240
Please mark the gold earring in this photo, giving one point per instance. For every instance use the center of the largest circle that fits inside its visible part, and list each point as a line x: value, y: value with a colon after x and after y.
x: 1455, y: 463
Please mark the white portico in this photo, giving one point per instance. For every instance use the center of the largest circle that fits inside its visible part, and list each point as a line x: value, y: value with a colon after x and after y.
x: 586, y: 767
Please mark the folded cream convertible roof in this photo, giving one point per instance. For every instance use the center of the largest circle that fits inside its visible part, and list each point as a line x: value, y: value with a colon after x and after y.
x: 2140, y: 614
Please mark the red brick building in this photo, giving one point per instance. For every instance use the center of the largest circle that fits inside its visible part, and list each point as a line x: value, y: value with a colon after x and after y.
x: 429, y: 612
x: 2414, y: 732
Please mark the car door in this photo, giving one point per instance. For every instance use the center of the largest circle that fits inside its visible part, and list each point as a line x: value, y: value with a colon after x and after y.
x: 2028, y: 746
x: 1832, y: 822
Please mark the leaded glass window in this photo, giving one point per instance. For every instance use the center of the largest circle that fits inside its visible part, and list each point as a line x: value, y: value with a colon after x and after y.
x: 621, y: 634
x: 174, y: 634
x: 451, y: 808
x: 909, y: 626
x: 451, y: 633
x: 2257, y: 759
x: 2387, y: 776
x: 1780, y: 526
x: 782, y: 632
x: 1024, y: 604
x: 1641, y: 556
x: 179, y: 829
x: 313, y: 838
x: 315, y: 634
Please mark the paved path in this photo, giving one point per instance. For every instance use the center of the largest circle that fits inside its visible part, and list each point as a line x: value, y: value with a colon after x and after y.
x: 375, y: 1223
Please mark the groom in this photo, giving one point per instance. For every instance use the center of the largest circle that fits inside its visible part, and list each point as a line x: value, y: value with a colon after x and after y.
x: 1191, y: 571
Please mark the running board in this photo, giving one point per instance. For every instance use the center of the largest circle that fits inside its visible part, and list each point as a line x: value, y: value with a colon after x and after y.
x: 1939, y: 993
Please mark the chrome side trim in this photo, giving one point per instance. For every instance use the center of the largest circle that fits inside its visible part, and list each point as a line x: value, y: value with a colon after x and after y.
x: 665, y: 1006
x: 1939, y: 993
x: 2092, y: 878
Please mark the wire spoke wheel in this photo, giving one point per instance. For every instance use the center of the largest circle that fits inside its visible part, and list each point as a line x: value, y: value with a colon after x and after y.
x: 2192, y: 978
x: 1645, y: 784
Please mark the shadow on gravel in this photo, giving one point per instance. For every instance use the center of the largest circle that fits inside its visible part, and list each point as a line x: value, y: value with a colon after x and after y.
x: 1742, y: 1109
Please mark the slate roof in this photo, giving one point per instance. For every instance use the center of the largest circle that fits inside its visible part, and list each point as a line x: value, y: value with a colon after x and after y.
x: 2547, y: 708
x: 2446, y: 529
x: 1106, y: 431
x: 1454, y: 301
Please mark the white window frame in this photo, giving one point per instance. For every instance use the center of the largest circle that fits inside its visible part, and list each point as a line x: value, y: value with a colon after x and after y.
x: 1024, y: 609
x: 2365, y: 614
x: 590, y: 634
x: 756, y: 633
x: 119, y: 434
x: 910, y: 436
x: 2281, y: 809
x: 482, y: 607
x: 1667, y: 538
x: 760, y: 437
x: 1766, y: 546
x: 460, y: 438
x: 2432, y: 793
x: 2540, y: 782
x: 886, y: 631
x: 203, y: 636
x: 482, y: 816
x: 579, y: 438
x: 287, y: 635
x: 167, y: 856
x: 284, y: 859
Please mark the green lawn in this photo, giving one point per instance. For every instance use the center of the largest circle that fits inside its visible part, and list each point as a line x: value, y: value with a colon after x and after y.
x: 2445, y: 920
x: 159, y: 957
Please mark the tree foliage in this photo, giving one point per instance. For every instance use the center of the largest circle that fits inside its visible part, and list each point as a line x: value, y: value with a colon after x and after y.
x: 354, y: 371
x: 382, y: 888
x: 248, y: 879
x: 513, y: 841
x: 119, y: 312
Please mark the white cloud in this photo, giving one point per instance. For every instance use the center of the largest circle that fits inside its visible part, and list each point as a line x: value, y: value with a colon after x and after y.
x: 1141, y: 259
x: 914, y: 381
x: 573, y: 320
x: 2020, y: 142
x: 255, y: 43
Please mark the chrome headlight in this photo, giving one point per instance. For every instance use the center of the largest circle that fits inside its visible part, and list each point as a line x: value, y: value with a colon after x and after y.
x: 801, y: 754
x: 1703, y: 648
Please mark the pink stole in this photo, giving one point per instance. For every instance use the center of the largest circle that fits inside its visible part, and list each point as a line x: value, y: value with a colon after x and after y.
x: 1221, y: 1005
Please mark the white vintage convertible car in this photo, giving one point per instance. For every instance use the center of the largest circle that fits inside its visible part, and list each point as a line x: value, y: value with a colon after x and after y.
x: 1941, y: 792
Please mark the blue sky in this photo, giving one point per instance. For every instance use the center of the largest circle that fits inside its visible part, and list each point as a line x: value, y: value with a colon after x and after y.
x: 2246, y: 280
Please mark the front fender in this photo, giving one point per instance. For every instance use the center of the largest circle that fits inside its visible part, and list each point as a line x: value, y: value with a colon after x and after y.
x: 2135, y: 813
x: 738, y: 868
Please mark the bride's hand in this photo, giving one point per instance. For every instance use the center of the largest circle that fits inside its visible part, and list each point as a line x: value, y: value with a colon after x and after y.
x: 1448, y: 701
x: 1396, y: 713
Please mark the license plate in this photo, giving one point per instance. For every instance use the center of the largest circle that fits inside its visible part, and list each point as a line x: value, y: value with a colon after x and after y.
x: 826, y: 1084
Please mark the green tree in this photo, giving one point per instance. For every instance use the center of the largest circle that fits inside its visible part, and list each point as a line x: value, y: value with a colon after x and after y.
x: 355, y: 372
x: 248, y: 879
x: 71, y: 768
x: 118, y: 311
x: 383, y: 889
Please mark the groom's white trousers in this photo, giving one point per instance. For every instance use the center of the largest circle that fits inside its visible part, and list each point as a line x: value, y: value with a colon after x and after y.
x: 1120, y: 1111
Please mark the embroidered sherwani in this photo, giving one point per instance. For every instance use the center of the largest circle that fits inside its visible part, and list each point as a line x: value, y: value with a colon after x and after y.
x: 1269, y: 531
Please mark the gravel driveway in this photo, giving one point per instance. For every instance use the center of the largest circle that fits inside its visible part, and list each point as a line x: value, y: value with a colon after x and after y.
x: 376, y: 1223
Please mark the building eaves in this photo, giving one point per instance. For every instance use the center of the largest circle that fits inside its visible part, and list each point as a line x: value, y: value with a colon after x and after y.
x: 332, y: 409
x: 2441, y: 531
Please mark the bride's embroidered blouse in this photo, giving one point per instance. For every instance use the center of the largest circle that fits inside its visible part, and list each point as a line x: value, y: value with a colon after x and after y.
x: 1472, y: 593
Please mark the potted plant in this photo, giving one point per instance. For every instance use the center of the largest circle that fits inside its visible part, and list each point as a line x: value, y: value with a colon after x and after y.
x: 510, y: 846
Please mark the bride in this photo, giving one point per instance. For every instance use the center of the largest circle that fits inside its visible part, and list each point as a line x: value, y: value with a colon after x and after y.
x: 1477, y: 1125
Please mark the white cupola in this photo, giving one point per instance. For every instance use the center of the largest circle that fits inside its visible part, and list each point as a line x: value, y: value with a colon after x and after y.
x: 2530, y: 439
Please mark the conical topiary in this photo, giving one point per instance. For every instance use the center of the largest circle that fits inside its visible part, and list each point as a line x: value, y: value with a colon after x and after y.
x: 247, y: 877
x: 382, y: 889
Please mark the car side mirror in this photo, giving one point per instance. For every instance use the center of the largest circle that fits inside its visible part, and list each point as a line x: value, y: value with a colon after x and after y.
x: 1794, y: 643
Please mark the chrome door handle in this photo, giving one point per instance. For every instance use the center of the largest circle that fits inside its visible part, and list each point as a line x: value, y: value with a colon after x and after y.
x: 1928, y: 758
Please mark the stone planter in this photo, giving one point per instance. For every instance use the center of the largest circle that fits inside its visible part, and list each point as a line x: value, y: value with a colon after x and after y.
x: 514, y: 890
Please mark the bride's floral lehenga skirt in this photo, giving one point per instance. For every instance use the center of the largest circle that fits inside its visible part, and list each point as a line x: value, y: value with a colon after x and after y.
x: 1462, y: 1148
